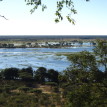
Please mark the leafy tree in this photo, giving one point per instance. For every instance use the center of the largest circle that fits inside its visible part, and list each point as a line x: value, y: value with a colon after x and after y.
x: 26, y: 74
x: 79, y: 96
x: 52, y: 75
x: 10, y: 73
x: 87, y: 95
x: 87, y: 85
x: 77, y: 76
x: 100, y: 50
x: 83, y: 60
x: 83, y: 68
x: 40, y: 74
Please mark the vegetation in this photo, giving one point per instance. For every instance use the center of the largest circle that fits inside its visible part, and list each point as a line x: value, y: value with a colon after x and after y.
x: 68, y: 5
x: 83, y: 84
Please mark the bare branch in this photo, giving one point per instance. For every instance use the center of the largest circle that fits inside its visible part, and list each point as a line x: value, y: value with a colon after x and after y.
x: 3, y: 17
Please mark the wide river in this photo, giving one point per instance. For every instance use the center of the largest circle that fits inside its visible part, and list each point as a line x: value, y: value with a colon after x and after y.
x: 37, y: 57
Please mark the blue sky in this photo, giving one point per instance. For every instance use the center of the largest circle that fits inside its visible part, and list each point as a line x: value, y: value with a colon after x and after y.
x: 91, y: 19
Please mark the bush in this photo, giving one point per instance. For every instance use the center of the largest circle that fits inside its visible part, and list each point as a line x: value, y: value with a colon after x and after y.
x: 36, y: 91
x: 55, y: 89
x: 1, y: 90
x: 24, y: 89
x: 51, y: 83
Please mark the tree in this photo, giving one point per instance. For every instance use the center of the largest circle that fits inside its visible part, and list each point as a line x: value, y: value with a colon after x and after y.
x: 40, y: 74
x: 52, y: 75
x: 83, y: 68
x: 83, y: 60
x: 26, y: 74
x: 100, y: 50
x: 60, y: 4
x: 79, y: 96
x: 87, y: 85
x: 10, y: 73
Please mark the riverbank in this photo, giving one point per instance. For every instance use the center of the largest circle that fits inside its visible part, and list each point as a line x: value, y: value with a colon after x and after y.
x: 47, y: 44
x: 52, y: 41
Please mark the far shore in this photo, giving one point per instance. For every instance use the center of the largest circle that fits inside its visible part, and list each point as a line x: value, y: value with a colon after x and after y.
x: 47, y: 41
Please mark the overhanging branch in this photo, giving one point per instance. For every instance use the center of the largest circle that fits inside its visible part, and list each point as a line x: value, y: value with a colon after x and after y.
x: 3, y: 17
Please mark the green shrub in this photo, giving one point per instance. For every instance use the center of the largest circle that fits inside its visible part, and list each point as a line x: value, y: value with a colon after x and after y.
x: 24, y: 89
x: 55, y: 89
x: 1, y: 90
x: 36, y: 91
x: 51, y: 83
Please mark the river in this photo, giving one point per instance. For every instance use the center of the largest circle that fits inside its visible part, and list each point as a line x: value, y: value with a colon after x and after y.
x: 37, y: 57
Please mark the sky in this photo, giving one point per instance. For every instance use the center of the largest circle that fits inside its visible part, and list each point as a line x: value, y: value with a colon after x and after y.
x: 91, y: 19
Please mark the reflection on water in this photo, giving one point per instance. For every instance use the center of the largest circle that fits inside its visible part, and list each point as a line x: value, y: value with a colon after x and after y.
x: 36, y: 57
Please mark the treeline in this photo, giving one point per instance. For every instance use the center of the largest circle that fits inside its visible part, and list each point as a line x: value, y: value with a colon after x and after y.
x: 83, y: 84
x: 41, y: 75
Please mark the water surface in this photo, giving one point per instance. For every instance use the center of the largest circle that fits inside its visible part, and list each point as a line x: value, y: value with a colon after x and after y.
x: 37, y: 57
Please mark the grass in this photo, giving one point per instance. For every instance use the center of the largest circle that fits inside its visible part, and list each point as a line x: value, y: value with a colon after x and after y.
x: 64, y: 53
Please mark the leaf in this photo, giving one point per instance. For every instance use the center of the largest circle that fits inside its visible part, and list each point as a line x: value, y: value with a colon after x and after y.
x: 56, y: 20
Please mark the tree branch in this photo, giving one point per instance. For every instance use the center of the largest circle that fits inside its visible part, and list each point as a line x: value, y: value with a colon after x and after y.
x: 3, y: 17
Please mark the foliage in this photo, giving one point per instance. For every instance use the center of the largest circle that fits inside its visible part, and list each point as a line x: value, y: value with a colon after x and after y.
x: 36, y: 91
x: 43, y: 75
x: 26, y: 74
x: 24, y: 89
x: 83, y: 60
x: 35, y: 99
x: 10, y: 73
x: 100, y: 50
x: 52, y: 75
x: 86, y: 83
x: 68, y: 5
x: 40, y: 75
x: 61, y: 5
x: 55, y: 89
x: 51, y: 83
